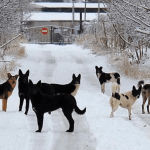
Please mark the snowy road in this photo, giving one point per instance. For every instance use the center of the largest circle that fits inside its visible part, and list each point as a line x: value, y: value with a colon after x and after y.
x: 94, y: 130
x: 82, y: 138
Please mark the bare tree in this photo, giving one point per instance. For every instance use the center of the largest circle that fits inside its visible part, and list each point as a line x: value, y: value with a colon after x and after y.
x: 13, y: 16
x: 133, y: 18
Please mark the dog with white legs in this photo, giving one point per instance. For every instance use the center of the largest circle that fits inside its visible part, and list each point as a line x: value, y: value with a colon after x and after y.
x: 103, y: 78
x: 124, y: 100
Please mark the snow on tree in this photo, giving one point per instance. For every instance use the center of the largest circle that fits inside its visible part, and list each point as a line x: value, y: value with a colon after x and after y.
x: 13, y: 16
x: 131, y: 20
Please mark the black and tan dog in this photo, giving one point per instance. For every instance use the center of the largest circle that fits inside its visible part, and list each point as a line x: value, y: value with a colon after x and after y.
x: 145, y: 95
x: 70, y: 88
x: 124, y: 100
x: 6, y: 89
x: 42, y: 103
x: 107, y: 77
x: 23, y: 89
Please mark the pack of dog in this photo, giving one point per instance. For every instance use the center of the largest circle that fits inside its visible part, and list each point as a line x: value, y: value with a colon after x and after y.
x: 50, y: 97
x: 42, y: 103
x: 23, y: 89
x: 124, y: 100
x: 70, y: 88
x: 145, y: 95
x: 107, y: 77
x: 6, y: 89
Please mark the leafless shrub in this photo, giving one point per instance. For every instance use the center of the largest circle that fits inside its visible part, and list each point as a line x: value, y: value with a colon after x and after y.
x: 124, y: 66
x: 9, y: 56
x: 106, y: 37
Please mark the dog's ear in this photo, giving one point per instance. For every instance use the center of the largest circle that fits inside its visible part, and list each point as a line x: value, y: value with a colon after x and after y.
x: 20, y: 72
x: 30, y: 83
x: 73, y: 76
x: 27, y: 73
x: 9, y: 75
x: 39, y: 83
x: 101, y: 67
x: 133, y: 89
x: 79, y: 76
x: 16, y: 76
x: 96, y: 67
x: 140, y: 88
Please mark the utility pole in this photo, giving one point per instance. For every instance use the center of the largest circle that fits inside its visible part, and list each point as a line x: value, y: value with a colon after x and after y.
x: 72, y: 13
x: 98, y: 10
x: 85, y: 12
x: 80, y: 21
x: 21, y: 17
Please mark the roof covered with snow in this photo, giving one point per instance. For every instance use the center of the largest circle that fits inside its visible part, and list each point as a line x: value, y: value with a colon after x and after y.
x: 49, y: 16
x: 68, y: 5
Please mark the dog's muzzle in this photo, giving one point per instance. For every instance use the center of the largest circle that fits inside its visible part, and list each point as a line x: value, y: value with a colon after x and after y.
x: 98, y: 75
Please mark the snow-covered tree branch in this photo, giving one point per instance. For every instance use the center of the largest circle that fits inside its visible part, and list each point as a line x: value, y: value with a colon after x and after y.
x: 13, y: 15
x: 133, y: 16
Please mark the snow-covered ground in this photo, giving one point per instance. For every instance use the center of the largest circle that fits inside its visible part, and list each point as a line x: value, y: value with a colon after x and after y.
x: 94, y: 130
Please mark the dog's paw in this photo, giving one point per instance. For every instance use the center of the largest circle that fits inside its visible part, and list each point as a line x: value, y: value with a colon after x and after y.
x: 38, y: 131
x: 69, y: 131
x: 103, y: 92
x: 25, y: 113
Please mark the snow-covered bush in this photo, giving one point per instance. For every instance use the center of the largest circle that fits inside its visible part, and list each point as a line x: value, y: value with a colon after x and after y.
x: 123, y: 33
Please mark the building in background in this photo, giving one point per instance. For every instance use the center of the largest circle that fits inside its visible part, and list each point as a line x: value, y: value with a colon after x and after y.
x: 56, y: 16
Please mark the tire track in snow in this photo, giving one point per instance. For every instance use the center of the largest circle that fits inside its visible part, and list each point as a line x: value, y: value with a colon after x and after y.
x: 80, y: 139
x: 40, y: 141
x: 56, y: 124
x: 35, y: 140
x: 50, y: 65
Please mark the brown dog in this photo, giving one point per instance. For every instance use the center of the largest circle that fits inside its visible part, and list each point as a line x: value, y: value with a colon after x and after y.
x: 145, y: 95
x: 6, y: 89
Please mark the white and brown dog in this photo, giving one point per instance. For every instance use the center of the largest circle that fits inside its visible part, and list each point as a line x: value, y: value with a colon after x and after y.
x: 125, y: 100
x: 107, y: 77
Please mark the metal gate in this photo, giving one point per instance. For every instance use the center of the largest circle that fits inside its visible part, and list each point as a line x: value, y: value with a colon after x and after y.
x: 50, y: 35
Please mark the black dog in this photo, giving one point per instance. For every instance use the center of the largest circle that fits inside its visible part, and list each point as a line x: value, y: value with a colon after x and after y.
x: 70, y: 88
x: 107, y: 77
x: 42, y: 103
x: 23, y: 88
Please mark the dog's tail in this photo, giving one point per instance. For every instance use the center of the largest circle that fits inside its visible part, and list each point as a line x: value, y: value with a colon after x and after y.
x: 140, y: 83
x: 78, y: 111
